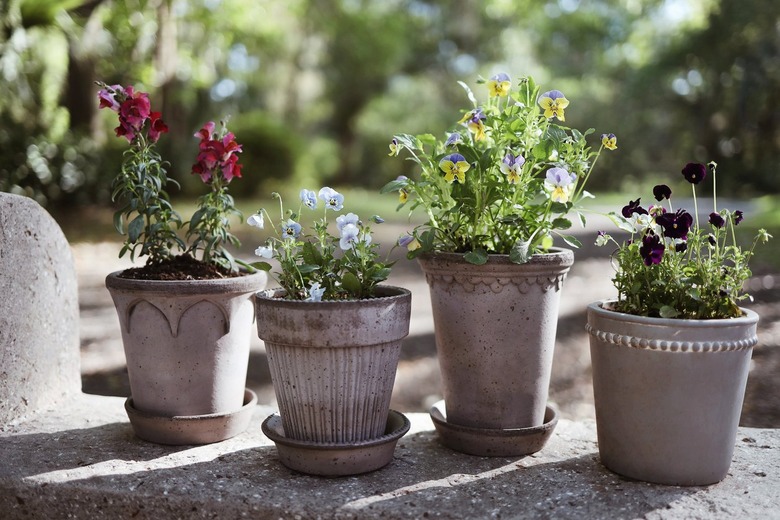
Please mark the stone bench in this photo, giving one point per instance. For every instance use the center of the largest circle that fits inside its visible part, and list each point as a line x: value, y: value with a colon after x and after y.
x: 65, y: 454
x: 82, y: 461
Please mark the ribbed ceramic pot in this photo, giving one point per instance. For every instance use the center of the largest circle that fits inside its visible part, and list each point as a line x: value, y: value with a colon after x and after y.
x: 333, y: 363
x: 186, y: 342
x: 495, y: 328
x: 668, y: 393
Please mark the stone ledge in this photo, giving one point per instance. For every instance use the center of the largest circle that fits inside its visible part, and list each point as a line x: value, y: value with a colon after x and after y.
x: 83, y: 461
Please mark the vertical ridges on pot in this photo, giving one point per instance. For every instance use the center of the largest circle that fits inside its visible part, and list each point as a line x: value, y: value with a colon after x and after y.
x: 334, y: 395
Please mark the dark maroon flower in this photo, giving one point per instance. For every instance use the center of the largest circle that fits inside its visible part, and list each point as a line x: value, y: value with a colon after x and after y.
x: 694, y: 172
x: 652, y: 249
x: 711, y: 239
x: 661, y: 192
x: 676, y: 225
x: 716, y: 220
x: 633, y: 207
x: 156, y: 127
x: 738, y: 217
x: 681, y: 247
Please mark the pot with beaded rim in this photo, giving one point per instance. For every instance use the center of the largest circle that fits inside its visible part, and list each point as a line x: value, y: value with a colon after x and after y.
x: 668, y: 393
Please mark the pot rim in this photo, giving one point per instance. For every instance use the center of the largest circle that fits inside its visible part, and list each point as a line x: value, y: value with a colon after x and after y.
x: 249, y: 282
x: 598, y: 308
x: 498, y: 259
x: 271, y: 296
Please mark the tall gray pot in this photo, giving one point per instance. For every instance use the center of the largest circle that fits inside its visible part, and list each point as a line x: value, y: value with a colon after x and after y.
x: 333, y: 363
x: 495, y: 330
x: 668, y: 393
x: 186, y: 342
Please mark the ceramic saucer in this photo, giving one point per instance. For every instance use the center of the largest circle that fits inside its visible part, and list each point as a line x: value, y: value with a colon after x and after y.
x: 492, y: 442
x: 191, y: 429
x: 334, y: 460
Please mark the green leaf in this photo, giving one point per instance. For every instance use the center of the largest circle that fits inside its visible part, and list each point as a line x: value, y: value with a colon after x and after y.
x: 560, y: 207
x: 196, y: 217
x: 428, y: 139
x: 510, y: 219
x: 470, y: 154
x: 571, y: 241
x: 668, y: 312
x: 426, y: 239
x: 542, y: 150
x: 310, y: 254
x: 380, y: 275
x: 262, y: 266
x: 561, y: 223
x: 351, y: 283
x: 621, y: 222
x: 519, y: 252
x: 307, y: 268
x: 135, y: 228
x: 477, y: 257
x: 394, y: 186
x: 694, y: 293
x: 118, y: 224
x: 469, y: 93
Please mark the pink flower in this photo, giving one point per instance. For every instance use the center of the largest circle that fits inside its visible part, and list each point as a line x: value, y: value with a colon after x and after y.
x: 134, y: 111
x: 217, y: 157
x: 205, y: 133
x: 108, y: 97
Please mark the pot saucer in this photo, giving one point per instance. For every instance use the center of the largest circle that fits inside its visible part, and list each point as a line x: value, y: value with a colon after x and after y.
x: 191, y: 429
x: 335, y: 460
x: 488, y: 442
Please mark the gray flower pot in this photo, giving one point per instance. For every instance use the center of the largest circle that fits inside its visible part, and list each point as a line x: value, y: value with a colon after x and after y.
x: 186, y: 342
x: 495, y: 328
x: 668, y: 393
x: 333, y: 363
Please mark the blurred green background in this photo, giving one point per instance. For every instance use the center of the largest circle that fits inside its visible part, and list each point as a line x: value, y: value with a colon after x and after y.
x: 316, y: 88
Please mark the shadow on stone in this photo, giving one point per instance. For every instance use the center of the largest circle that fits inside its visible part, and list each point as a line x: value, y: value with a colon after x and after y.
x: 421, y: 479
x: 41, y: 456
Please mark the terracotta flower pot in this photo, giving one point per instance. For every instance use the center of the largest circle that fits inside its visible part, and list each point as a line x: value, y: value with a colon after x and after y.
x: 186, y: 342
x: 495, y: 328
x: 333, y: 363
x: 668, y: 393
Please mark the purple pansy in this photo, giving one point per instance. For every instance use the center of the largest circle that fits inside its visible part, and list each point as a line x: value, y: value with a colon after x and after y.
x: 694, y: 172
x: 652, y: 249
x: 716, y: 220
x: 661, y: 192
x: 633, y: 207
x: 676, y: 225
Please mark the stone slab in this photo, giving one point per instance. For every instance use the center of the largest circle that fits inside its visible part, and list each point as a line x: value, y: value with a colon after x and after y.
x: 39, y: 311
x: 82, y: 461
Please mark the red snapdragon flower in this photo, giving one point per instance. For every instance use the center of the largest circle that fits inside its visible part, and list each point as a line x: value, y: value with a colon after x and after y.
x: 134, y: 111
x: 217, y: 156
x: 156, y: 126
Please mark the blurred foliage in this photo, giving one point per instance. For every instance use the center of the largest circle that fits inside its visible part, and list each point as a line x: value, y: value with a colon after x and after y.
x: 315, y: 88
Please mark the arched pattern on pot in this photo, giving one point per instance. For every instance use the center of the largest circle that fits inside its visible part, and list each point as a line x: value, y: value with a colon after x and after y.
x: 497, y: 284
x: 671, y: 345
x: 174, y: 314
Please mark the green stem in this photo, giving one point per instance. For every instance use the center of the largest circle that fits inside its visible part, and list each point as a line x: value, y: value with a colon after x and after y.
x: 581, y: 187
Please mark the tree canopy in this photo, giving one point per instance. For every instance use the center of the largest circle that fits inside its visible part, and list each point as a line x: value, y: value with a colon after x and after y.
x: 315, y: 89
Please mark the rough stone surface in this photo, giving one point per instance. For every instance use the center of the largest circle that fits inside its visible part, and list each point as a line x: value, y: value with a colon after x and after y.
x: 39, y: 311
x: 81, y: 460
